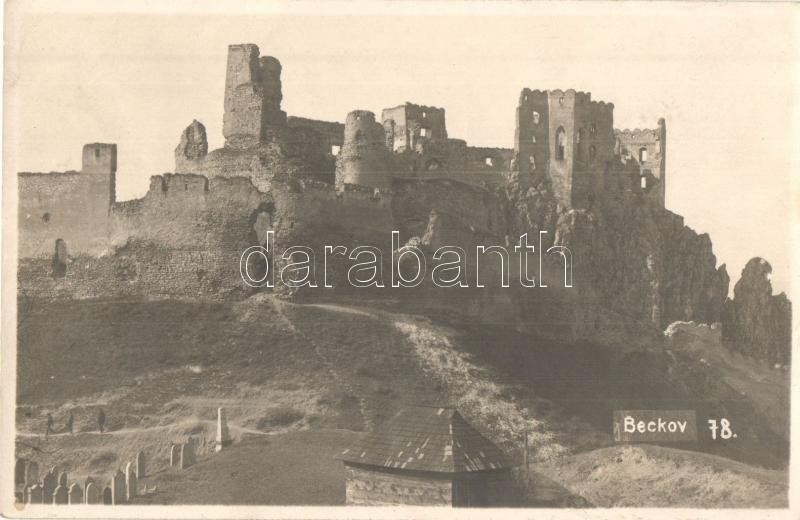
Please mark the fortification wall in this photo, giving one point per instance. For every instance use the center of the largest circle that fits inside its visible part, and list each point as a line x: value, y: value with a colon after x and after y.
x: 332, y: 133
x: 292, y: 152
x: 71, y: 206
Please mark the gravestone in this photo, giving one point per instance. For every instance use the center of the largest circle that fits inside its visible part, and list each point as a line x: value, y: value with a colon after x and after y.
x: 223, y: 434
x: 118, y: 488
x: 187, y: 454
x: 35, y: 495
x: 49, y: 486
x: 75, y: 494
x: 62, y: 479
x: 140, y: 469
x: 174, y: 455
x: 92, y: 493
x: 131, y: 482
x: 19, y: 471
x: 60, y: 496
x: 31, y: 473
x: 108, y: 496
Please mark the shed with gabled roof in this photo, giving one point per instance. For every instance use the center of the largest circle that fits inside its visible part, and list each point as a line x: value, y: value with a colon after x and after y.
x: 427, y: 455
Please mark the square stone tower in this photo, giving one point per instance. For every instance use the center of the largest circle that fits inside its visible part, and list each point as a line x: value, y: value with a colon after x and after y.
x: 566, y: 137
x: 252, y: 96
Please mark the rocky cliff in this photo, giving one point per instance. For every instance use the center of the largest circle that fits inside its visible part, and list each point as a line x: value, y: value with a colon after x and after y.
x: 634, y: 262
x: 756, y: 322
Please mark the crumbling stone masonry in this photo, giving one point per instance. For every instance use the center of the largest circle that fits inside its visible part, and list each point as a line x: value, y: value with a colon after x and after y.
x: 591, y: 188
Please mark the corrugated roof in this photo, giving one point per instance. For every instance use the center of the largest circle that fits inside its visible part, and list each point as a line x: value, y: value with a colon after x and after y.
x: 426, y: 438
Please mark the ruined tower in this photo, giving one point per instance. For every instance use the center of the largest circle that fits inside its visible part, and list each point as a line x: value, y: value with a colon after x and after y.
x: 645, y: 150
x: 567, y: 138
x: 99, y: 160
x: 363, y: 157
x: 192, y: 147
x: 252, y: 96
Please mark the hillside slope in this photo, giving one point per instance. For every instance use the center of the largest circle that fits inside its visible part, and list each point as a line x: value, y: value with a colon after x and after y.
x: 160, y: 368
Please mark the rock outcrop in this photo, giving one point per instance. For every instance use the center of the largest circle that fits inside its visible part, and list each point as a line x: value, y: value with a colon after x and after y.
x: 755, y: 321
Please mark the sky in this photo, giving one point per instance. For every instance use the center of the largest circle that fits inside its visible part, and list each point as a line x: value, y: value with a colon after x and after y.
x: 721, y: 74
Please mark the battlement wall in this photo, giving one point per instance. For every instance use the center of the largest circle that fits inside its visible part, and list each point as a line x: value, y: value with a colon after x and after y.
x: 70, y: 206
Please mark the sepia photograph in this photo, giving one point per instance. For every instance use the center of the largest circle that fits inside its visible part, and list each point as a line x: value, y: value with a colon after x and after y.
x: 407, y: 260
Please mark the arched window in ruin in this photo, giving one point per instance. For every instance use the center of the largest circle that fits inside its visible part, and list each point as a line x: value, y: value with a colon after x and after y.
x: 424, y: 132
x: 488, y: 160
x: 561, y: 143
x: 60, y: 259
x: 535, y: 117
x: 579, y: 142
x: 642, y: 154
x: 532, y: 161
x: 592, y: 152
x: 593, y: 128
x: 643, y: 182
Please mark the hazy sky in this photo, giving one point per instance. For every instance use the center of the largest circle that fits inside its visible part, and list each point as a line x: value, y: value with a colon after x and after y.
x: 721, y: 75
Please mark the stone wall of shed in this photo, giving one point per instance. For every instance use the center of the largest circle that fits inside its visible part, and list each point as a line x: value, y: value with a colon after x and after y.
x: 367, y: 487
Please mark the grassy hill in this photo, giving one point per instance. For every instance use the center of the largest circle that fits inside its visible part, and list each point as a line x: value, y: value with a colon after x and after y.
x: 160, y: 368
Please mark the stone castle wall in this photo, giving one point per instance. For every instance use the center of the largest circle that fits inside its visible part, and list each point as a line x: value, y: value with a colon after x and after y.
x: 70, y: 206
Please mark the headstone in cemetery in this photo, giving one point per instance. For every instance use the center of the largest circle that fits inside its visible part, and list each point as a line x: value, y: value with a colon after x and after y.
x: 140, y: 468
x: 19, y: 471
x: 174, y: 455
x: 223, y: 434
x: 187, y: 454
x: 118, y: 491
x: 49, y: 483
x: 92, y: 493
x: 62, y: 479
x: 31, y: 473
x: 108, y: 496
x: 60, y: 495
x: 75, y: 494
x: 35, y: 495
x: 131, y: 482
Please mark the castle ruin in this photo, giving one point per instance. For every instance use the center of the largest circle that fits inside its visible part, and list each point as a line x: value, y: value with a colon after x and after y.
x: 319, y: 182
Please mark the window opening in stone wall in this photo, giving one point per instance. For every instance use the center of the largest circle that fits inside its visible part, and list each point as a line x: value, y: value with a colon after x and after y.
x: 592, y: 153
x: 642, y: 154
x: 533, y: 139
x: 335, y: 149
x: 423, y: 132
x: 561, y: 143
x: 532, y: 161
x: 579, y: 150
x: 488, y: 161
x: 593, y: 128
x: 561, y: 100
x: 643, y: 182
x: 97, y: 153
x: 60, y: 259
x: 433, y: 164
x: 535, y: 118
